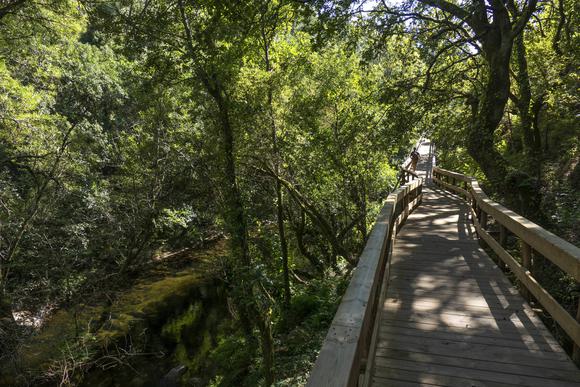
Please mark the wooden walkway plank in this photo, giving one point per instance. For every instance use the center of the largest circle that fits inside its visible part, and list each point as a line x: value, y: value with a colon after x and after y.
x: 546, y: 359
x: 489, y: 376
x: 388, y: 376
x: 451, y: 318
x: 484, y: 365
x: 431, y: 327
x: 480, y: 338
x: 475, y: 302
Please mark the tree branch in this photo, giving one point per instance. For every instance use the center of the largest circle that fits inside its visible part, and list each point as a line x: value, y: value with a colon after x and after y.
x: 521, y: 22
x: 451, y: 8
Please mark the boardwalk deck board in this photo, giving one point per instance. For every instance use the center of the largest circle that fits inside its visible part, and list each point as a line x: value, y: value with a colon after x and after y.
x: 451, y: 318
x: 388, y: 376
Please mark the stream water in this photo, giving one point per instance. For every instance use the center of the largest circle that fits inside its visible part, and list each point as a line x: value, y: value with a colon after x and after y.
x: 170, y: 351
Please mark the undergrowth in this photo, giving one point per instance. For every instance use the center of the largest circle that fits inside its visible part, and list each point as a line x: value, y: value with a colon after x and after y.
x: 298, y: 335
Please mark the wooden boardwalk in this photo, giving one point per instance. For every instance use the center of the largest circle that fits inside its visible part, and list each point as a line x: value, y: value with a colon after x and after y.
x: 451, y: 318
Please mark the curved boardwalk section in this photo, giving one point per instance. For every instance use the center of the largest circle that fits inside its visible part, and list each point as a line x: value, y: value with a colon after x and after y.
x: 451, y: 318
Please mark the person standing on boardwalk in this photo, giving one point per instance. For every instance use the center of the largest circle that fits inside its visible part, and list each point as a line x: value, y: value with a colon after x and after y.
x: 414, y: 159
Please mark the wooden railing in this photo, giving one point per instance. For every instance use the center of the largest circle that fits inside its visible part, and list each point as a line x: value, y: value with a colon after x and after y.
x: 532, y: 237
x: 406, y: 175
x: 342, y: 361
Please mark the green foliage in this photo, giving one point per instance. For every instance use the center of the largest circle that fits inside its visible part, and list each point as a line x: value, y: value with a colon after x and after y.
x: 305, y: 326
x: 316, y: 304
x: 230, y: 359
x: 133, y: 128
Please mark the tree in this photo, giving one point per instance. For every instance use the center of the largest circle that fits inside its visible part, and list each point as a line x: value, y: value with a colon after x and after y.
x: 489, y: 29
x: 270, y: 19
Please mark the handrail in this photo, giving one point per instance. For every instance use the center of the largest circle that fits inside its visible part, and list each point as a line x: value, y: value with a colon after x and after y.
x: 406, y: 175
x: 345, y: 350
x: 532, y: 238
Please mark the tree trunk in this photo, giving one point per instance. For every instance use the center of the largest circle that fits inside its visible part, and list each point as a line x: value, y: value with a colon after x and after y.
x: 561, y: 25
x: 279, y: 194
x: 299, y: 232
x: 234, y: 208
x: 530, y: 140
x: 234, y: 211
x: 267, y: 343
x: 238, y: 231
x: 480, y: 138
x: 515, y: 186
x: 537, y: 106
x: 283, y: 244
x: 6, y: 316
x: 362, y: 226
x: 323, y: 224
x: 8, y: 326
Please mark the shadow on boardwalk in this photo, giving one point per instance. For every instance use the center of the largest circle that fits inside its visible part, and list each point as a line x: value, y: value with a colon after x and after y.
x: 450, y: 317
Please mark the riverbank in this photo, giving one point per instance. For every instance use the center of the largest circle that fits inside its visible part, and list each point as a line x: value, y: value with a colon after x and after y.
x: 91, y: 337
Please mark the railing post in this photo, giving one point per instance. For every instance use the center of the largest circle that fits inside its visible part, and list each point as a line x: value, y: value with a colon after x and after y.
x: 526, y: 251
x: 474, y: 207
x: 503, y: 242
x: 483, y: 219
x: 576, y: 350
x: 406, y: 204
